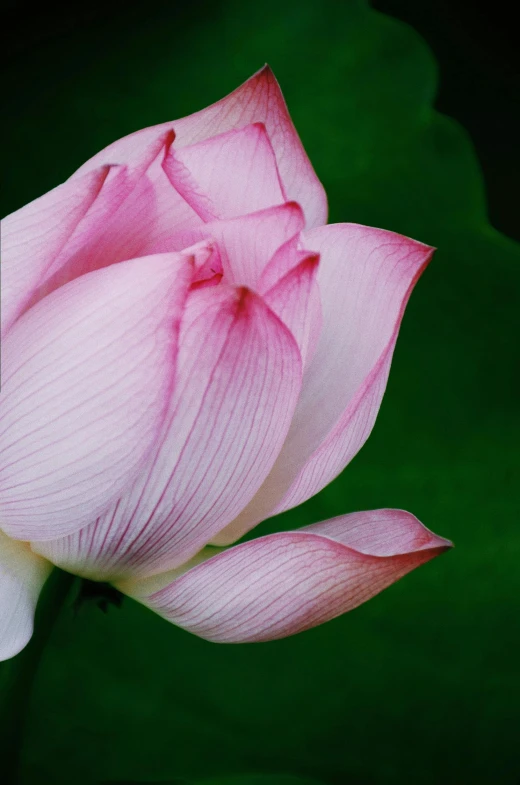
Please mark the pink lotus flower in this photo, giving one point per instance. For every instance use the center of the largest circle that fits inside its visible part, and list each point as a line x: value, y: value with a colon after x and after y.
x: 187, y: 350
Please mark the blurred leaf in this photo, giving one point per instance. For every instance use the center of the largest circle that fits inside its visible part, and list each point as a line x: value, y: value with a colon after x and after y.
x: 241, y: 779
x: 259, y: 779
x: 142, y: 782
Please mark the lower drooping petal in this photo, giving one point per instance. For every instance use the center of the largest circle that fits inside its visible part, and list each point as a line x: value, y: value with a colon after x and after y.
x: 237, y: 382
x: 285, y: 583
x: 22, y: 575
x: 87, y: 375
x: 365, y: 278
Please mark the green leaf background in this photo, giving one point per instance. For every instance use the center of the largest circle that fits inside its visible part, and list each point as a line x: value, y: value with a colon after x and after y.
x: 421, y: 685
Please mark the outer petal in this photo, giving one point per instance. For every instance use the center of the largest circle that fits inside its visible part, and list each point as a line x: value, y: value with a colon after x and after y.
x: 238, y: 379
x: 22, y: 575
x: 228, y: 175
x: 259, y: 100
x: 365, y: 278
x: 134, y: 215
x: 34, y: 236
x: 87, y: 376
x: 285, y: 583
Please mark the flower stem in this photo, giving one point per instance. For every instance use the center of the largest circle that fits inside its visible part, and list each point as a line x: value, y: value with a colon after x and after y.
x: 18, y: 674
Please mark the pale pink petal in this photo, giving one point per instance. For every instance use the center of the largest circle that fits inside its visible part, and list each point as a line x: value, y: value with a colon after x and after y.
x: 276, y: 284
x: 285, y: 583
x: 286, y: 257
x: 259, y: 100
x: 238, y: 379
x: 87, y: 374
x: 295, y: 299
x: 34, y: 236
x: 135, y: 214
x: 247, y: 243
x: 208, y: 266
x: 22, y: 575
x: 228, y: 175
x: 365, y: 278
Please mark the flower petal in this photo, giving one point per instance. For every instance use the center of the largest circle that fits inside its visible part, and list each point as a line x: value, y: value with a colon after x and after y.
x: 22, y: 575
x: 295, y: 299
x: 238, y: 379
x: 285, y: 583
x: 228, y: 175
x: 134, y: 215
x: 247, y: 243
x: 87, y: 376
x: 34, y: 236
x: 244, y: 246
x: 259, y: 100
x: 365, y: 277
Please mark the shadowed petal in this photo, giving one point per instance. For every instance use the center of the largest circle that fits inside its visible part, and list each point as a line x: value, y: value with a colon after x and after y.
x: 87, y: 374
x: 22, y: 575
x: 285, y: 583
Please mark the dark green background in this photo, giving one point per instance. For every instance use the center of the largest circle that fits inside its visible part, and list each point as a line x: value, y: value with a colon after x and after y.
x: 421, y: 685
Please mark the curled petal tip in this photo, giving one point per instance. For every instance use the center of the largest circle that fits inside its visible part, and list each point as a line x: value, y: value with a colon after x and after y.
x: 244, y: 297
x: 293, y: 205
x: 311, y: 261
x: 169, y: 138
x: 105, y: 169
